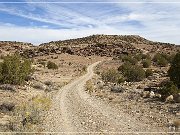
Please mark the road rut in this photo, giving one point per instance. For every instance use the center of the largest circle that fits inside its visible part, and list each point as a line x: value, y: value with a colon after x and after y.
x: 75, y: 111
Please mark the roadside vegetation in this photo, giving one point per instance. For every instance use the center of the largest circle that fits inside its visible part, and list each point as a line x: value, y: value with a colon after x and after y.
x: 14, y: 70
x: 135, y: 68
x: 28, y: 116
x: 172, y: 87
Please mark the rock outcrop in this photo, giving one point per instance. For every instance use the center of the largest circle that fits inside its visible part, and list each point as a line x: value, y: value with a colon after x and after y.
x: 101, y: 45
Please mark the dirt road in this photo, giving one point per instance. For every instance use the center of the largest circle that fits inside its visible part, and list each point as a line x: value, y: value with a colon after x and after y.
x: 75, y: 111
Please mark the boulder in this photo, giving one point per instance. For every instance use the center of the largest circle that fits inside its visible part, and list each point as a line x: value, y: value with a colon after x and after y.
x: 158, y: 95
x: 7, y: 106
x: 8, y: 87
x: 117, y: 89
x: 48, y: 83
x: 169, y: 99
x: 39, y: 86
x: 151, y: 94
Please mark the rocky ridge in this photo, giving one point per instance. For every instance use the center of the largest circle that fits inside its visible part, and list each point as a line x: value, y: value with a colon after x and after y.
x: 9, y: 47
x: 101, y: 45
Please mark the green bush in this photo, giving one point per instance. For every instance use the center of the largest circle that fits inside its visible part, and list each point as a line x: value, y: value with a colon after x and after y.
x: 129, y: 59
x: 138, y: 57
x: 169, y: 88
x: 148, y: 72
x: 132, y: 73
x: 174, y: 71
x: 125, y: 67
x: 111, y: 75
x: 160, y: 60
x: 146, y: 63
x: 14, y: 70
x: 52, y: 65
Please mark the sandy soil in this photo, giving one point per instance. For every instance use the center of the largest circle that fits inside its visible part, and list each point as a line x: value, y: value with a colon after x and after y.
x: 75, y: 111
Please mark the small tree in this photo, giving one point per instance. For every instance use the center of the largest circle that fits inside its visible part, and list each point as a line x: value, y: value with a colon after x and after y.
x: 14, y: 69
x: 111, y: 75
x: 129, y: 59
x: 132, y: 73
x: 169, y: 89
x: 160, y: 60
x: 174, y: 71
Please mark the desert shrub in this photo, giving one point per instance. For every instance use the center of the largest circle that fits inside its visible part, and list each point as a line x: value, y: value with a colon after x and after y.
x: 14, y: 70
x: 160, y: 60
x: 52, y: 65
x: 89, y: 86
x: 174, y: 71
x: 130, y: 59
x: 125, y: 68
x: 111, y: 75
x: 138, y: 57
x: 132, y: 73
x: 149, y: 72
x: 171, y: 57
x: 29, y: 114
x: 168, y: 57
x: 146, y: 63
x: 168, y: 88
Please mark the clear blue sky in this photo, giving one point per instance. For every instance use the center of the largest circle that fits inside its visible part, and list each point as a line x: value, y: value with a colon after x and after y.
x: 40, y: 21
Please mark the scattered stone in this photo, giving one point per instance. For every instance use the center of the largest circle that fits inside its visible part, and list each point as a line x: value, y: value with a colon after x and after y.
x: 169, y: 99
x: 48, y: 83
x: 158, y: 95
x: 7, y: 106
x: 8, y: 87
x: 151, y: 94
x: 145, y: 94
x: 39, y: 85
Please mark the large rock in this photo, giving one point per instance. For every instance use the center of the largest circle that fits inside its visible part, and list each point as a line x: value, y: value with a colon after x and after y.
x: 8, y: 87
x: 39, y: 86
x: 7, y: 106
x: 117, y: 89
x: 169, y: 99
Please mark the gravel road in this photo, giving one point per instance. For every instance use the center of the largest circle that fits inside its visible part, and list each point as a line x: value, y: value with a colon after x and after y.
x: 75, y: 111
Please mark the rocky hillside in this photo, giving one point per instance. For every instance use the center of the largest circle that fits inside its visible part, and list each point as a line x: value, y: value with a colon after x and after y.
x: 8, y: 47
x: 101, y: 45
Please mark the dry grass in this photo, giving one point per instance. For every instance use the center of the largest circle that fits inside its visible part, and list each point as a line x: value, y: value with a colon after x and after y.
x: 28, y: 116
x: 89, y: 86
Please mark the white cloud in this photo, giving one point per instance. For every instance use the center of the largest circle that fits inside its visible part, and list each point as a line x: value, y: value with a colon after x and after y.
x: 160, y: 21
x: 40, y: 35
